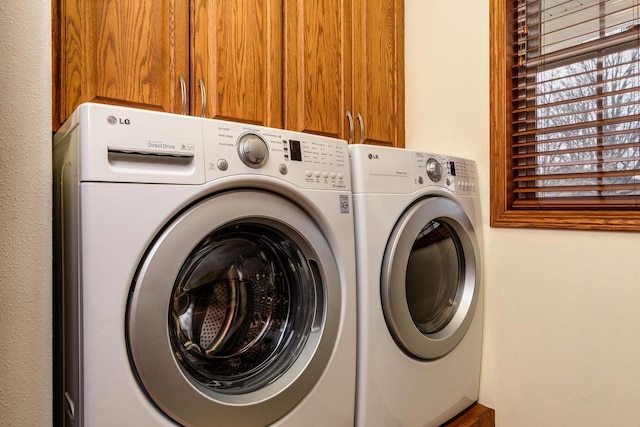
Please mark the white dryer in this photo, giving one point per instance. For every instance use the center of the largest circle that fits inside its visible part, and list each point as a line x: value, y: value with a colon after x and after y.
x: 418, y: 252
x: 205, y: 273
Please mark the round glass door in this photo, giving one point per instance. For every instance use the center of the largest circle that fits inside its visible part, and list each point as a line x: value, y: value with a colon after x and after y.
x: 435, y: 266
x: 430, y: 278
x: 233, y: 316
x: 242, y: 308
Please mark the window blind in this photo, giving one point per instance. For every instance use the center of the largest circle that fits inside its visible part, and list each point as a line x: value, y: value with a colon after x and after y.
x: 575, y: 112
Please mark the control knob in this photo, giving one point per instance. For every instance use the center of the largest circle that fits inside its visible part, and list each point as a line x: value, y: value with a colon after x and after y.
x: 434, y: 170
x: 253, y: 150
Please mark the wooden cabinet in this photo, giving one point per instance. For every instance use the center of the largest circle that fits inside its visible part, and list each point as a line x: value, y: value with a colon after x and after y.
x: 237, y: 55
x: 344, y: 69
x: 378, y: 78
x: 333, y: 67
x: 119, y: 52
x: 318, y: 62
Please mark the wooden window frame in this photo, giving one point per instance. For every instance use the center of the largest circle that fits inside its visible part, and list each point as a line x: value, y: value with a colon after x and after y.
x: 501, y: 181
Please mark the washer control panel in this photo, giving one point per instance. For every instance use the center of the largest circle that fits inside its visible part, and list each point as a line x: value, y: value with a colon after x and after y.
x: 308, y: 161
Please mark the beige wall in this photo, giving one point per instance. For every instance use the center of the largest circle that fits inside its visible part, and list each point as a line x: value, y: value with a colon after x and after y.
x: 562, y: 337
x: 25, y: 213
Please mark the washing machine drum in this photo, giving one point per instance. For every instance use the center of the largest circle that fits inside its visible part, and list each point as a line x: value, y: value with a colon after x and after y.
x: 431, y: 278
x: 233, y: 316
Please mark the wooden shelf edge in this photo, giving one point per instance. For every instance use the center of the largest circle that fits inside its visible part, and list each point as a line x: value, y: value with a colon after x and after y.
x: 476, y: 415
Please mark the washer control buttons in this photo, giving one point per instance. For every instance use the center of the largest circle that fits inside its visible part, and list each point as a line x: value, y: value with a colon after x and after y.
x: 283, y: 169
x: 253, y: 150
x: 308, y: 173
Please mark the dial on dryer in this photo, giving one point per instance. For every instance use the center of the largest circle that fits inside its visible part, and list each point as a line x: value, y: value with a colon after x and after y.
x: 434, y: 170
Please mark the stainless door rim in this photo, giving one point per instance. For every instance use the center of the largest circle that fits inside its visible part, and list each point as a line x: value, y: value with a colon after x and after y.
x: 170, y: 388
x: 393, y: 278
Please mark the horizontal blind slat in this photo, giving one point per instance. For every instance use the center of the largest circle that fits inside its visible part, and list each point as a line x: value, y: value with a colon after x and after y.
x: 593, y: 148
x: 578, y: 188
x: 581, y: 175
x: 573, y: 126
x: 536, y: 165
x: 520, y: 143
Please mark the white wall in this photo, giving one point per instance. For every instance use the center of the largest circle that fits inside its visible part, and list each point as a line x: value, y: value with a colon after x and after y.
x: 562, y: 326
x: 25, y: 213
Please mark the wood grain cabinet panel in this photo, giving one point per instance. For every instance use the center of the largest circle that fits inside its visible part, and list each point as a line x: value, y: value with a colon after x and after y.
x: 318, y: 66
x: 378, y: 83
x: 344, y: 69
x: 237, y: 54
x: 119, y: 52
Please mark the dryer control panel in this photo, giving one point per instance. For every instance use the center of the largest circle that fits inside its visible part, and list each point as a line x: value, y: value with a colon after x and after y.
x: 400, y: 171
x: 463, y: 176
x: 457, y: 174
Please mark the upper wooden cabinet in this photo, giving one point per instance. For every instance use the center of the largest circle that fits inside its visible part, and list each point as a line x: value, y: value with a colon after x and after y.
x: 318, y: 66
x: 119, y: 52
x: 344, y: 69
x: 378, y: 77
x: 237, y: 60
x: 332, y: 67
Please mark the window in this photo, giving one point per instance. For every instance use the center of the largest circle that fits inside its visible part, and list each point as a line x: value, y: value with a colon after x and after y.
x: 565, y: 114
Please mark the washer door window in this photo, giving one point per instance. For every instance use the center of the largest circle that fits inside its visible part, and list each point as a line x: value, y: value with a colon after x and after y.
x: 430, y: 278
x: 233, y: 317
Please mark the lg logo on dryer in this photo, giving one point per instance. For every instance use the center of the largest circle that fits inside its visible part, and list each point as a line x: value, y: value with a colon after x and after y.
x: 113, y: 120
x: 373, y: 156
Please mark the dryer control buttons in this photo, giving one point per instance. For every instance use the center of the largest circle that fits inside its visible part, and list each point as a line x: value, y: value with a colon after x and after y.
x: 434, y: 170
x: 253, y: 150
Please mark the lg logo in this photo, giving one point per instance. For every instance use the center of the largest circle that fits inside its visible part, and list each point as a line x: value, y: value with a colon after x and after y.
x: 113, y: 120
x: 373, y: 156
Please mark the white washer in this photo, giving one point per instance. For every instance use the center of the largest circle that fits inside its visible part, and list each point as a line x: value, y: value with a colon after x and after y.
x: 418, y: 242
x: 205, y: 273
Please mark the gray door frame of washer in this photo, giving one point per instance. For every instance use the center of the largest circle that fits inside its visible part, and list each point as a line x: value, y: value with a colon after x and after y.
x: 169, y: 387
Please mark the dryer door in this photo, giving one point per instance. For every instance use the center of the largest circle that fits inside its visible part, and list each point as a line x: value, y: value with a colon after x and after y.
x: 430, y: 278
x: 234, y: 311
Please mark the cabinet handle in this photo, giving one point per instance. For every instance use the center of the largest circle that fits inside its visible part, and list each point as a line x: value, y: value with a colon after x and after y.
x: 359, y: 117
x: 203, y: 93
x: 350, y: 117
x: 183, y: 91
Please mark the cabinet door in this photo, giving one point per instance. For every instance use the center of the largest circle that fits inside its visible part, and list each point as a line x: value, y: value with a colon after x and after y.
x: 237, y: 55
x: 378, y: 85
x: 119, y: 52
x: 318, y: 66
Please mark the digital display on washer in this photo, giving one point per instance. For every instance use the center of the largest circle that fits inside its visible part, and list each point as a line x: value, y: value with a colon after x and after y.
x: 452, y: 168
x: 296, y: 151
